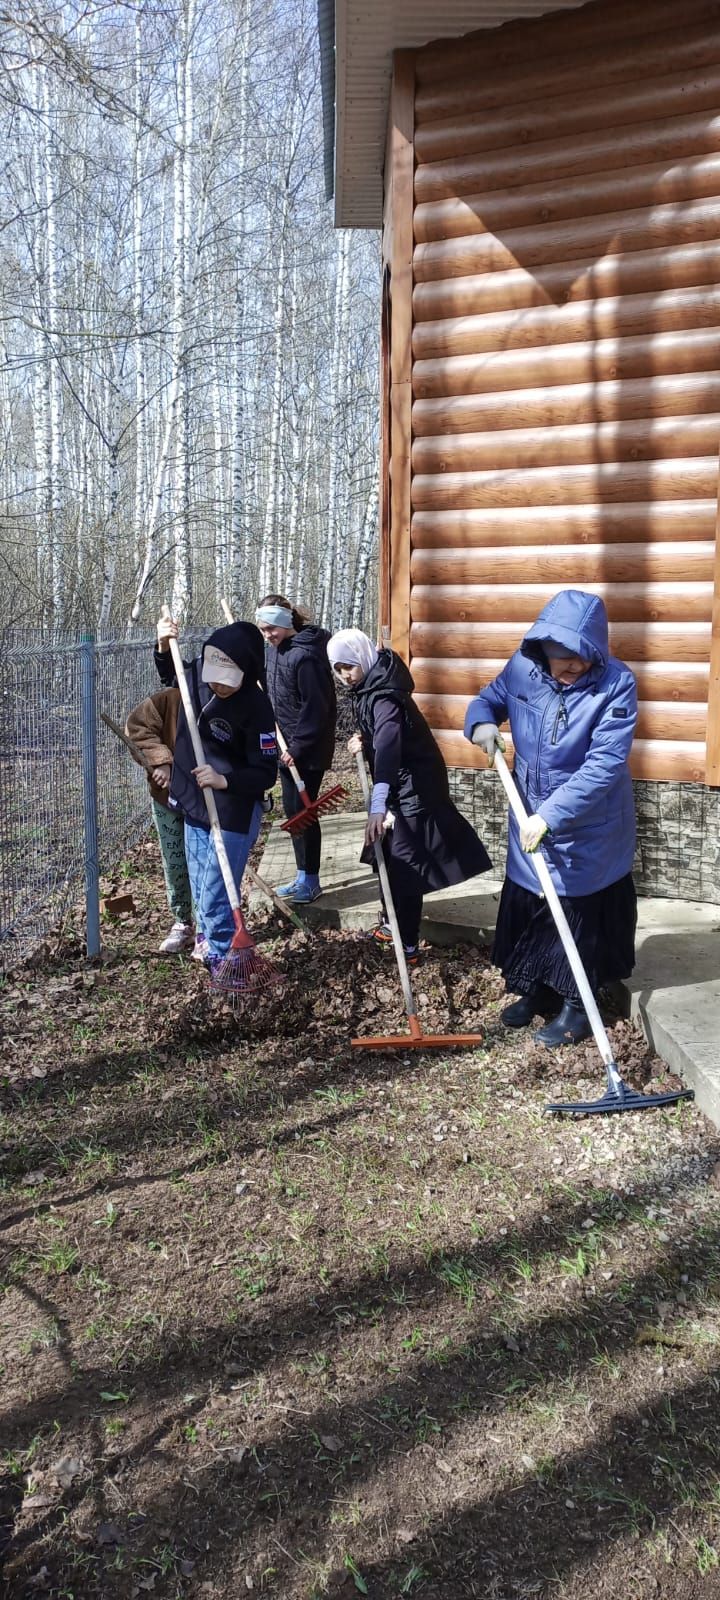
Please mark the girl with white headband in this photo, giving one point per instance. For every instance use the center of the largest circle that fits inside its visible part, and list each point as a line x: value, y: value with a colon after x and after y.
x: 302, y: 691
x: 430, y: 845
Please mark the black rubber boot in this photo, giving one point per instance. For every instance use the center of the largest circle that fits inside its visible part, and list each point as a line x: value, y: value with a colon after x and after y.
x: 521, y: 1013
x: 571, y: 1026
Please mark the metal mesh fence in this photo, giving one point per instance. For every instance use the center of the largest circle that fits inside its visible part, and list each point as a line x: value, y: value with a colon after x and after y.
x: 45, y: 738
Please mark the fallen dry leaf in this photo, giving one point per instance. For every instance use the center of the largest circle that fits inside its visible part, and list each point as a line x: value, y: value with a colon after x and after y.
x: 66, y: 1470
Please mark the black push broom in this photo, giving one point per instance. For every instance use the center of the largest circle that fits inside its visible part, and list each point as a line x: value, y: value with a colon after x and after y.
x: 618, y: 1096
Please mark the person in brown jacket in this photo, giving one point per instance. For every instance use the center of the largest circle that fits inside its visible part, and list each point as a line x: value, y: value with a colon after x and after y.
x: 152, y: 725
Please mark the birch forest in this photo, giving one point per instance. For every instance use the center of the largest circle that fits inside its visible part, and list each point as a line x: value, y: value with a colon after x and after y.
x: 188, y: 389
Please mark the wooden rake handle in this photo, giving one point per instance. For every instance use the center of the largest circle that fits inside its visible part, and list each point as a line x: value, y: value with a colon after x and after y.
x: 135, y: 751
x: 294, y: 774
x: 559, y: 918
x: 408, y: 995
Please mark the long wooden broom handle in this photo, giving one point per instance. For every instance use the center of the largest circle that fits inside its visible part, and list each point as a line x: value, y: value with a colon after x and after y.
x: 561, y: 922
x: 201, y: 759
x: 295, y: 775
x: 408, y: 996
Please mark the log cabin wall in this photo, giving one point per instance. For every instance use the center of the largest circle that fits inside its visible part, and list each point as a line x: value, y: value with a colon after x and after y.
x: 565, y: 342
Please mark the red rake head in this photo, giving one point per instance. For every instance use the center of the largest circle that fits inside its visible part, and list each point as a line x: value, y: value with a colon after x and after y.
x: 242, y: 939
x: 241, y: 973
x: 243, y: 969
x: 331, y: 800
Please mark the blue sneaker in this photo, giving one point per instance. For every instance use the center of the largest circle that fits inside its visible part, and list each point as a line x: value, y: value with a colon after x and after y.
x: 303, y: 894
x: 286, y: 891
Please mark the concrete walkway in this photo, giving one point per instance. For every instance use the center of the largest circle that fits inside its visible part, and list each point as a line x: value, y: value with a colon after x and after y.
x: 674, y: 992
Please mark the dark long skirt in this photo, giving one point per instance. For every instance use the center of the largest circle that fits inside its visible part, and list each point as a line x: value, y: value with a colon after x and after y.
x: 428, y: 850
x: 529, y: 951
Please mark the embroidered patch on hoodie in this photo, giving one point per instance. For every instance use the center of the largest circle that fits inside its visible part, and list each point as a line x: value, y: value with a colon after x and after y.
x: 619, y: 711
x: 220, y: 730
x: 268, y: 744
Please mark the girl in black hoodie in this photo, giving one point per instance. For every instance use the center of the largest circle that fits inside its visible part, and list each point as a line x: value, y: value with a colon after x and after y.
x: 429, y: 844
x: 236, y: 725
x: 302, y: 691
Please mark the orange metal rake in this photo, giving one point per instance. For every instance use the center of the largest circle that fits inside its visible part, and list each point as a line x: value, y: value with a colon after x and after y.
x: 415, y: 1039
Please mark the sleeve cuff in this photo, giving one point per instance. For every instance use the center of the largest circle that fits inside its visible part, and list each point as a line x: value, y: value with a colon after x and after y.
x: 379, y: 799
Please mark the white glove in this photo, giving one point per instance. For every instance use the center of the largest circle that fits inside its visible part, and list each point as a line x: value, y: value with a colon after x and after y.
x: 532, y: 833
x: 486, y: 735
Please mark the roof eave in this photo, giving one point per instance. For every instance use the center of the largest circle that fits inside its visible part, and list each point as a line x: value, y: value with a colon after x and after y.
x: 326, y: 33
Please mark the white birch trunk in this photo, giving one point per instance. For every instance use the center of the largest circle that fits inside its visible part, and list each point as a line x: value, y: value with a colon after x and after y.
x: 139, y: 500
x: 366, y: 546
x: 238, y: 553
x: 112, y: 531
x: 337, y: 385
x: 268, y: 571
x: 182, y: 231
x: 52, y: 380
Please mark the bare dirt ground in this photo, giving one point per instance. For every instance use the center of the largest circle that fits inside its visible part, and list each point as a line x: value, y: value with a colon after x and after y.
x: 286, y: 1318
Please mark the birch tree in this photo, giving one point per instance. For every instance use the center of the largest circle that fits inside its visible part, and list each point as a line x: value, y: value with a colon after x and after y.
x: 189, y: 396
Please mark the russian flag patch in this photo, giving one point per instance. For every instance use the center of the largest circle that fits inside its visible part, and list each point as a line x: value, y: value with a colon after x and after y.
x: 268, y: 744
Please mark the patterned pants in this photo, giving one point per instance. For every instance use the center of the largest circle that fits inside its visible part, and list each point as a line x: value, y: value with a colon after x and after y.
x: 171, y: 834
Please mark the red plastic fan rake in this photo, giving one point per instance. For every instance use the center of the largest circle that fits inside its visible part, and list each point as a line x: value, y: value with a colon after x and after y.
x: 312, y: 810
x: 243, y: 968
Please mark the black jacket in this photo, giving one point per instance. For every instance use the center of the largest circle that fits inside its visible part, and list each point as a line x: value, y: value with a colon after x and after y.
x: 397, y: 740
x: 302, y: 691
x: 238, y: 733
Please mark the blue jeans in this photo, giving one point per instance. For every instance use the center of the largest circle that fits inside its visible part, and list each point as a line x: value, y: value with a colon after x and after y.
x: 213, y: 909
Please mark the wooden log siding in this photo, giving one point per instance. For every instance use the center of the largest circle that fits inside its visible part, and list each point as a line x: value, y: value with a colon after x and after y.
x: 566, y: 358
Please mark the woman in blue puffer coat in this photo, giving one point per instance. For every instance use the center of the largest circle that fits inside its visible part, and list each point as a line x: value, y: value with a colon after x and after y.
x: 572, y: 710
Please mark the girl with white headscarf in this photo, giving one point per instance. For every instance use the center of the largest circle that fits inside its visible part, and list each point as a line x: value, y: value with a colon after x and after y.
x: 430, y: 845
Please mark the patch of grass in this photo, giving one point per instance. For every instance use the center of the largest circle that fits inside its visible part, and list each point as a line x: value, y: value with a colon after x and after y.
x: 61, y: 1258
x: 45, y: 1337
x: 459, y: 1275
x: 706, y: 1556
x: 350, y: 1565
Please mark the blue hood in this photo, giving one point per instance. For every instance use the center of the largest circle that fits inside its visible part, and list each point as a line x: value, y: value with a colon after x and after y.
x: 575, y: 620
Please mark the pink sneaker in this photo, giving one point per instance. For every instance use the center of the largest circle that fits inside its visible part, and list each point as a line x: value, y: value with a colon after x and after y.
x: 180, y: 937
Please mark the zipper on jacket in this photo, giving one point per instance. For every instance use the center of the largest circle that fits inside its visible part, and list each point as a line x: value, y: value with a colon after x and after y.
x: 560, y: 716
x: 541, y: 730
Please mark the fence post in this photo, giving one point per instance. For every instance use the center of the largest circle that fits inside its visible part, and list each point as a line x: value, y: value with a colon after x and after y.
x: 88, y: 725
